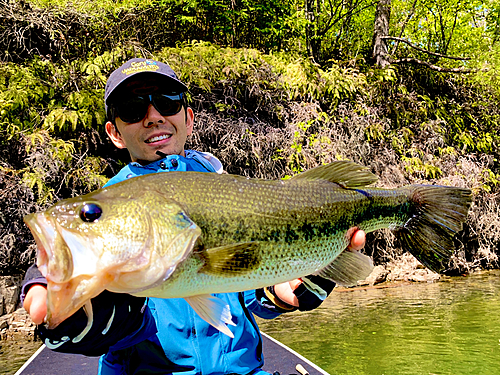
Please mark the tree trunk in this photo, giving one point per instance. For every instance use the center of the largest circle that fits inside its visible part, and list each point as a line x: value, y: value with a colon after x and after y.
x: 310, y: 34
x: 380, y: 30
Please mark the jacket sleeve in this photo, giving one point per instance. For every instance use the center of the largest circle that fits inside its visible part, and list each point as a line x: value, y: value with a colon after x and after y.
x: 313, y: 291
x: 32, y: 277
x: 117, y: 321
x: 310, y: 293
x: 257, y: 303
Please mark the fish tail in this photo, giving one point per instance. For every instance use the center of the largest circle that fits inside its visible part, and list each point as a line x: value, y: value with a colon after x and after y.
x: 437, y: 213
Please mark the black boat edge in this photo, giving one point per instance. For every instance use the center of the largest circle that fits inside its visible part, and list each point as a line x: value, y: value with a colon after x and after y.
x: 277, y: 357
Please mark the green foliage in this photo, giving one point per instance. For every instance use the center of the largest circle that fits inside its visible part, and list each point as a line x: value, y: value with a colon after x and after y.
x: 93, y: 7
x: 491, y: 180
x: 375, y: 132
x: 327, y: 32
x: 416, y: 167
x: 455, y: 28
x: 204, y: 65
x: 40, y: 95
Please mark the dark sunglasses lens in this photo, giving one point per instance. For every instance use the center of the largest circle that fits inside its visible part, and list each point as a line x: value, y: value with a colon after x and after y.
x: 132, y: 109
x: 166, y: 105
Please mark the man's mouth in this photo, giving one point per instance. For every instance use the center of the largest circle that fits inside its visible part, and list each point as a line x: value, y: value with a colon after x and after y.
x: 158, y: 138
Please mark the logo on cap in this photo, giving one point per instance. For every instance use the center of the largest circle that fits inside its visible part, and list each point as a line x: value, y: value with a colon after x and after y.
x: 141, y: 66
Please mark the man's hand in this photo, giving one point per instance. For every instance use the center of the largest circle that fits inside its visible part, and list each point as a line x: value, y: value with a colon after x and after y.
x: 284, y: 291
x: 35, y: 303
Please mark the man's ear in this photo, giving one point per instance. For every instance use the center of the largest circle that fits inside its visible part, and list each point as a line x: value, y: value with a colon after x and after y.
x: 114, y: 135
x: 189, y: 120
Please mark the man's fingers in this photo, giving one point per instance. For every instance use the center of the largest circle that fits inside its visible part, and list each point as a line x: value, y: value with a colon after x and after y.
x: 35, y: 303
x: 285, y: 293
x: 358, y: 240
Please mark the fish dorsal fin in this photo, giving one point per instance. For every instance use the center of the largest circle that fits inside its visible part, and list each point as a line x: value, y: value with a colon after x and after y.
x: 229, y: 260
x: 348, y: 268
x: 213, y: 310
x: 344, y: 173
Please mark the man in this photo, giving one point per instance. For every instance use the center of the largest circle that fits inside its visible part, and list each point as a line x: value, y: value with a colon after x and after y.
x: 148, y: 115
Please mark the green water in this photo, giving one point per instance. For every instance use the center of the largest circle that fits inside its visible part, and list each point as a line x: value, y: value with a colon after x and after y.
x: 13, y: 353
x: 450, y: 327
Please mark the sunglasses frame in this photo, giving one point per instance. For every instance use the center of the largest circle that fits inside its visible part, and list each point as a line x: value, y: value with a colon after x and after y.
x: 114, y: 112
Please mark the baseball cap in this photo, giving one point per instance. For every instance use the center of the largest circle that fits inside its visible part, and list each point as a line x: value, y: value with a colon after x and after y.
x: 136, y: 66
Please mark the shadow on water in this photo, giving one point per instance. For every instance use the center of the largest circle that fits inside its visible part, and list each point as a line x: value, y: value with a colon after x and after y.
x: 448, y: 327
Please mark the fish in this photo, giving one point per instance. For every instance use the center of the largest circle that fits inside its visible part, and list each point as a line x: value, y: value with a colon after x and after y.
x: 192, y: 234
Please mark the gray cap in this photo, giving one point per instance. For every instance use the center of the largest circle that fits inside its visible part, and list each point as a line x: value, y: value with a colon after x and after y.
x: 142, y: 66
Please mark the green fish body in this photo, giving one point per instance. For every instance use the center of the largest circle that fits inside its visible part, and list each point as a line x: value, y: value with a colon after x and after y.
x: 190, y: 234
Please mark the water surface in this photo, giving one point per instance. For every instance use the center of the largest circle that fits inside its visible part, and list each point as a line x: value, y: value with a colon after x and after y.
x: 13, y: 353
x: 448, y: 327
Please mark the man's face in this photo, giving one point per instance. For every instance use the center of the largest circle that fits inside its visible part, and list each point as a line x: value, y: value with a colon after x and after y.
x: 154, y: 132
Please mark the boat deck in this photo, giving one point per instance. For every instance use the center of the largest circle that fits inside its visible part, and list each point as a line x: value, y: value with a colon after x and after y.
x: 278, y: 357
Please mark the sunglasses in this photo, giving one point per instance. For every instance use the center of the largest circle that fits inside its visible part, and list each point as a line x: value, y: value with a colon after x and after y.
x: 134, y: 108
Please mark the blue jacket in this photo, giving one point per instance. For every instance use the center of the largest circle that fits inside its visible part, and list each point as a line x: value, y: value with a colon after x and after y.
x: 179, y: 341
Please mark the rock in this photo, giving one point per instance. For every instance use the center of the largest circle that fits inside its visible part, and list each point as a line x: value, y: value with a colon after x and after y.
x: 10, y: 298
x: 378, y: 275
x: 424, y: 276
x: 10, y: 287
x: 408, y: 268
x: 13, y: 321
x: 17, y: 323
x: 3, y: 324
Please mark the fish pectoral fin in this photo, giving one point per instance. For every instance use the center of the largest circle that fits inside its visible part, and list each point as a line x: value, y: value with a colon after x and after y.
x: 348, y: 268
x: 213, y: 310
x: 344, y: 173
x: 230, y: 260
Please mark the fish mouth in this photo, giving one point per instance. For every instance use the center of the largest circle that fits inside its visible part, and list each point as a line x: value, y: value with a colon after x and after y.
x: 44, y: 233
x: 67, y: 290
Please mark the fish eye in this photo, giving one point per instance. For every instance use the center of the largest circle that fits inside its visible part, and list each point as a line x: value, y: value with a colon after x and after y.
x: 90, y: 212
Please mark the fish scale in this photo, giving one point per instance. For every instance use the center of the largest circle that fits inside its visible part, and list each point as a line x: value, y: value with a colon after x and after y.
x: 307, y: 234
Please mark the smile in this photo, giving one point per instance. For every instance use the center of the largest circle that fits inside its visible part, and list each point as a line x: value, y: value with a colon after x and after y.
x: 158, y: 138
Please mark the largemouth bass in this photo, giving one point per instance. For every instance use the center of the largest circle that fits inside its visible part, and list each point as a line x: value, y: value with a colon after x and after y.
x: 189, y: 234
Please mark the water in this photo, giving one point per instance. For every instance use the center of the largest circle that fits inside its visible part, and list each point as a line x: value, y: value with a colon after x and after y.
x: 442, y: 328
x: 450, y: 327
x: 13, y: 353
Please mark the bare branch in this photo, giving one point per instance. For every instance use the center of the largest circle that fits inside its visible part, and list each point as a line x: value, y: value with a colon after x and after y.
x: 424, y: 50
x: 434, y: 67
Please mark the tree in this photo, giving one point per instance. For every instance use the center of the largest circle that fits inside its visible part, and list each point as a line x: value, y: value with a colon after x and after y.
x: 430, y: 30
x: 380, y: 31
